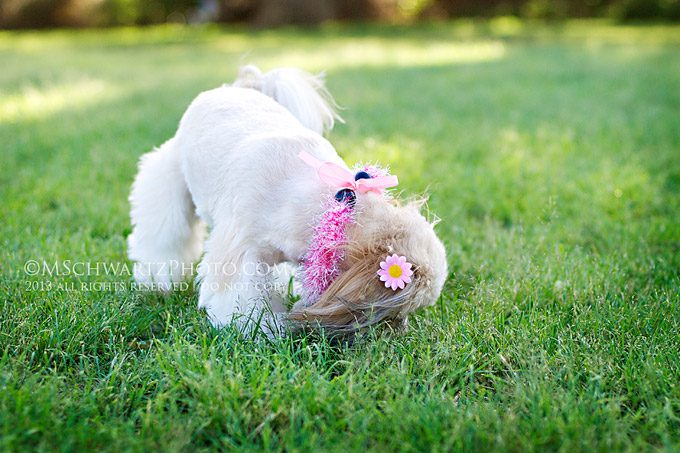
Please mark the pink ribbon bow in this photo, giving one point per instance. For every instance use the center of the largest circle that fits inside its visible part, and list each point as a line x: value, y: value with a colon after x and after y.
x: 336, y: 176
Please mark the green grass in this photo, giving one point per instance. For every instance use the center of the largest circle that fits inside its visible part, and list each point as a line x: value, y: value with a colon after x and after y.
x: 552, y: 156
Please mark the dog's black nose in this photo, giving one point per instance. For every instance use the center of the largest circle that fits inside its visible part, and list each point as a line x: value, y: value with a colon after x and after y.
x: 361, y: 175
x: 346, y: 196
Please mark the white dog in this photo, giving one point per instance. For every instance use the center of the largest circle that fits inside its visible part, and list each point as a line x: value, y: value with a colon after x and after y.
x: 249, y: 161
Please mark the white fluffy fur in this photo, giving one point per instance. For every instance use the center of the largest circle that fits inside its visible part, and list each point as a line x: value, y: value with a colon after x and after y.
x: 233, y: 166
x: 303, y: 94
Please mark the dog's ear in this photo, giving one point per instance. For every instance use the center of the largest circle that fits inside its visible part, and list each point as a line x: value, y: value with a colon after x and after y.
x: 357, y: 298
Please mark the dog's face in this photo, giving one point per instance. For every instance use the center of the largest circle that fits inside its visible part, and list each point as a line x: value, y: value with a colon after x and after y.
x: 357, y: 297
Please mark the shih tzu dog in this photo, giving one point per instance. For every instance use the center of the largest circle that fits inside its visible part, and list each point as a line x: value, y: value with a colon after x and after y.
x: 249, y: 162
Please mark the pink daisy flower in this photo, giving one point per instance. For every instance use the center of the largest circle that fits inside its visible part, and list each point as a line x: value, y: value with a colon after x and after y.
x: 395, y: 271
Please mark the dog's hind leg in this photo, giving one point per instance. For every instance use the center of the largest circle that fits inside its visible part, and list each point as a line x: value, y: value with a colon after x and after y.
x: 167, y: 235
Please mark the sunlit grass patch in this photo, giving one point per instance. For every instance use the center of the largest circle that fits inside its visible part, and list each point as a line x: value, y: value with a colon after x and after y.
x: 38, y: 102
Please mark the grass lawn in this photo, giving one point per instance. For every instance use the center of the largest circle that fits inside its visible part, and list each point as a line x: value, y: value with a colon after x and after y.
x: 552, y: 156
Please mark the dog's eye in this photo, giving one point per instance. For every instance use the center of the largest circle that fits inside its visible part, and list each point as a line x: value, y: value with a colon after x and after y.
x: 346, y: 196
x: 361, y: 175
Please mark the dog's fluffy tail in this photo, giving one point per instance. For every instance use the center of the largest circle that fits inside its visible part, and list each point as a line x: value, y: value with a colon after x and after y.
x: 166, y: 235
x: 303, y: 94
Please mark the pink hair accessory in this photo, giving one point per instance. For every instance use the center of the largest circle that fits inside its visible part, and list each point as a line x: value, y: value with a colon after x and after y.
x: 374, y: 171
x: 326, y: 251
x: 395, y: 271
x: 336, y: 176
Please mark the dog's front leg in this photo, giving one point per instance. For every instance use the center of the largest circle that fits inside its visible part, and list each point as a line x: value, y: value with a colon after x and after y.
x: 236, y: 291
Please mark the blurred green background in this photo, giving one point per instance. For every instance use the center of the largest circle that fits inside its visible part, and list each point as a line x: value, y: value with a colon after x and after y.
x: 51, y: 13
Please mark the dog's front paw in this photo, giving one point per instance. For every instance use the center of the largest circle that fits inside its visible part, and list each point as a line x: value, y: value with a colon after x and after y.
x: 220, y: 306
x: 235, y: 309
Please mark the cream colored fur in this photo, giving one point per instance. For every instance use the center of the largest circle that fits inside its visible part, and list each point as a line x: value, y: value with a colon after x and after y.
x: 232, y: 166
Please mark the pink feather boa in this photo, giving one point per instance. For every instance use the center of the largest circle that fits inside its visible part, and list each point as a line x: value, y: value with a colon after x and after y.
x: 326, y: 251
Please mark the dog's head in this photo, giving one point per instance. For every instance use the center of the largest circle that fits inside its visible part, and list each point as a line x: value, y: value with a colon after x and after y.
x: 357, y: 297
